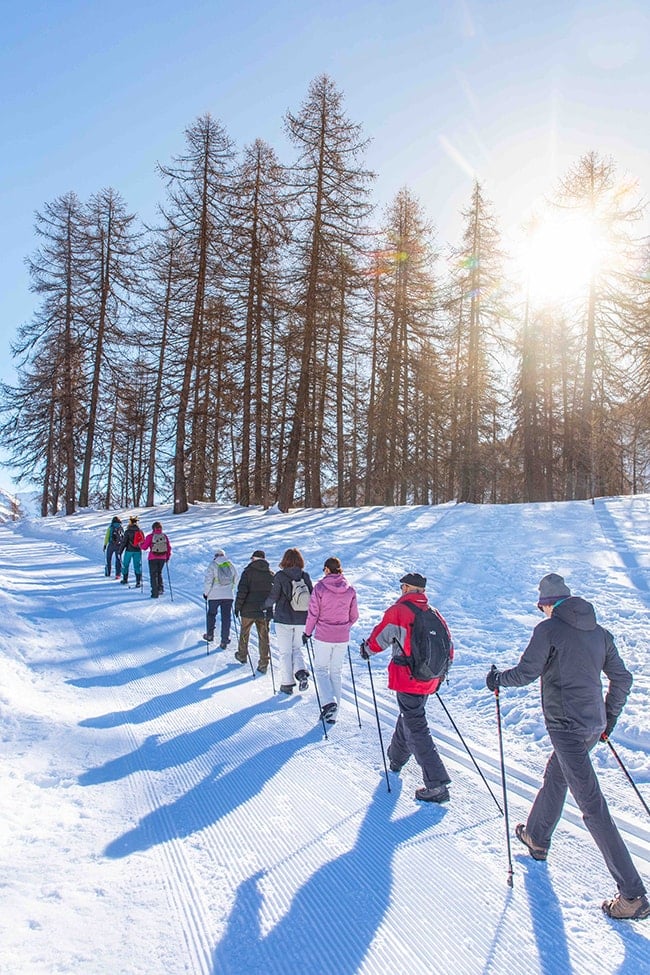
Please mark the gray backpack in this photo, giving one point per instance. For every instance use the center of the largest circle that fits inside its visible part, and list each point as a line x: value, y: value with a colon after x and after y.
x: 299, y: 595
x: 225, y: 573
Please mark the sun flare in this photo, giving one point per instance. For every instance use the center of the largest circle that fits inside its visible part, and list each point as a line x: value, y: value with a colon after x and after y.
x: 561, y: 255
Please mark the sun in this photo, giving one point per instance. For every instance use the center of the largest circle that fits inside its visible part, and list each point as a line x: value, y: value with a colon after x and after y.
x: 561, y: 254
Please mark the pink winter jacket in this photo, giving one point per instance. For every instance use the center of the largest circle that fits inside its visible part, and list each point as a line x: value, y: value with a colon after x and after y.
x: 332, y: 610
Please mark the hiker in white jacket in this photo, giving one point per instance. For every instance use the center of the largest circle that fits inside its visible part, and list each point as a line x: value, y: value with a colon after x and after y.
x: 218, y: 591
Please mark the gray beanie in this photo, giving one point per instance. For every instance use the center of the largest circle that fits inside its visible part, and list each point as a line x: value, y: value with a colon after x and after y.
x: 551, y: 588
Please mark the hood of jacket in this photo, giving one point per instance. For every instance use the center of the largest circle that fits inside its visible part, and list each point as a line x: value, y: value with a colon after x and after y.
x: 576, y: 612
x: 335, y: 583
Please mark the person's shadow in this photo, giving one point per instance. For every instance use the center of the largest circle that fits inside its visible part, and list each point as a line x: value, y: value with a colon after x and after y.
x: 333, y: 918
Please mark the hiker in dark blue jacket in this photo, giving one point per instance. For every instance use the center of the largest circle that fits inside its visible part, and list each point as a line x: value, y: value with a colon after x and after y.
x: 569, y: 650
x: 290, y: 619
x: 113, y: 547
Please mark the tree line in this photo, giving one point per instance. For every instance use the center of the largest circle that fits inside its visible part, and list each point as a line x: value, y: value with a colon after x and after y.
x: 265, y: 343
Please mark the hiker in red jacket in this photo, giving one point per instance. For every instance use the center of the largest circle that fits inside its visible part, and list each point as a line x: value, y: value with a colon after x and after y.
x: 411, y: 735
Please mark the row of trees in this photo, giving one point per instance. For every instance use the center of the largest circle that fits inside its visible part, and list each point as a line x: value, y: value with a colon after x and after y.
x: 264, y: 344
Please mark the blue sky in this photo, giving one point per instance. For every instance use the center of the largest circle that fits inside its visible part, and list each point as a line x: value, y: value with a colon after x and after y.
x: 95, y: 94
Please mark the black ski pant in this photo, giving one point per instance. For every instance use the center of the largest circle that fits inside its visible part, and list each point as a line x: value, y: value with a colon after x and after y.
x: 569, y: 767
x: 412, y: 737
x: 156, y: 576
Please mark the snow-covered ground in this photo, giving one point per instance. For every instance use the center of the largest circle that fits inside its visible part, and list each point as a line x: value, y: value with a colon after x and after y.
x: 162, y: 811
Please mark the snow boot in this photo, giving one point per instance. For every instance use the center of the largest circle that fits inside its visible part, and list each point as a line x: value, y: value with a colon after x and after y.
x: 262, y: 668
x: 286, y: 688
x: 209, y: 637
x: 138, y: 582
x: 536, y: 852
x: 302, y: 676
x: 328, y: 712
x: 124, y: 580
x: 622, y: 909
x: 107, y: 570
x: 240, y: 660
x: 438, y: 793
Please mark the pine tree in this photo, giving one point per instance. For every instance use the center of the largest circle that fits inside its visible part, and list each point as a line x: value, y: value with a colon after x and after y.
x: 331, y: 187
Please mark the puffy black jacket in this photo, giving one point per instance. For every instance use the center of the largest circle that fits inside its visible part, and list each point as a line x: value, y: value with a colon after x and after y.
x: 253, y: 588
x: 569, y: 650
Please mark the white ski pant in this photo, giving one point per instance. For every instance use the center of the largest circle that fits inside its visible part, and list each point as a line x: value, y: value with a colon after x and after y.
x: 289, y: 643
x: 328, y: 660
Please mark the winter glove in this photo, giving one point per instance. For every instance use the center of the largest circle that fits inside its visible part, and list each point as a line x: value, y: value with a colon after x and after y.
x: 493, y: 679
x: 609, y: 727
x: 104, y: 549
x: 364, y: 653
x: 204, y: 596
x: 268, y: 615
x: 305, y: 639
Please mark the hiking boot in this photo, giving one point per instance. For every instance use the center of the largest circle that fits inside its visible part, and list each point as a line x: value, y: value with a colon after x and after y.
x: 438, y: 793
x: 240, y: 660
x: 124, y: 581
x: 209, y: 637
x: 262, y: 668
x: 394, y: 767
x: 622, y: 909
x: 302, y: 676
x: 286, y: 688
x: 536, y: 852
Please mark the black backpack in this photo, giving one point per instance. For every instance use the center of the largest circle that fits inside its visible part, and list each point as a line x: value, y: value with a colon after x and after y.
x: 431, y: 648
x: 117, y: 534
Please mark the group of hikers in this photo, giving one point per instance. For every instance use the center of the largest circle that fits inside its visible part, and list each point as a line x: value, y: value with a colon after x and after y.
x: 126, y: 545
x: 568, y: 651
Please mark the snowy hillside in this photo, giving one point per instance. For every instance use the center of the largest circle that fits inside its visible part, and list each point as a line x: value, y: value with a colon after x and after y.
x: 164, y: 812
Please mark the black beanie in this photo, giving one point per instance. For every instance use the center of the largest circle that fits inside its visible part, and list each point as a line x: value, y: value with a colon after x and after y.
x: 414, y: 579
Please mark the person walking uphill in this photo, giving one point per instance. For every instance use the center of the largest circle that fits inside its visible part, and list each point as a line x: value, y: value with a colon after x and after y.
x: 332, y: 612
x: 411, y: 735
x: 218, y: 591
x: 133, y: 538
x: 569, y: 650
x: 290, y: 592
x: 160, y: 551
x: 254, y: 586
x: 113, y: 545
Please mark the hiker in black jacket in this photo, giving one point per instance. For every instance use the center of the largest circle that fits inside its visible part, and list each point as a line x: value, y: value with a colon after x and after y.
x: 253, y: 588
x: 569, y: 650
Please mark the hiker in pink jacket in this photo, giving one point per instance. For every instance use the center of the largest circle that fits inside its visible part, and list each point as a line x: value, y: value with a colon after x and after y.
x: 160, y: 550
x: 332, y: 611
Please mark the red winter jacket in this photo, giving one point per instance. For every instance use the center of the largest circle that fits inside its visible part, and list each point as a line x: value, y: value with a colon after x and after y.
x: 396, y: 624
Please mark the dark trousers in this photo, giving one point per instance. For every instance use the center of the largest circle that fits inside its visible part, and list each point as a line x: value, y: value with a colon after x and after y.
x: 156, y: 575
x: 569, y: 767
x: 113, y: 550
x: 262, y: 626
x: 412, y: 737
x: 214, y: 606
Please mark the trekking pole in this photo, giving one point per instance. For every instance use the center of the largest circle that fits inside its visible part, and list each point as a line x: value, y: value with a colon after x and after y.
x: 207, y: 642
x: 169, y: 580
x: 354, y: 686
x: 628, y: 776
x: 381, y: 740
x: 455, y: 727
x: 503, y: 779
x: 271, y: 659
x: 309, y: 646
